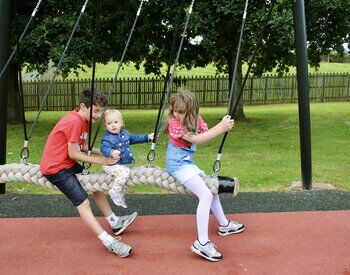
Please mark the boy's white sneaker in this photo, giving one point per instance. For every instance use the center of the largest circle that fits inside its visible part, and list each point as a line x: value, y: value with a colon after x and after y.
x: 207, y: 251
x: 121, y: 249
x: 232, y: 228
x: 123, y: 222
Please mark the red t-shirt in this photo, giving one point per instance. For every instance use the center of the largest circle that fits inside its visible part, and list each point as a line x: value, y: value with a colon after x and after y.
x: 70, y: 128
x: 177, y: 131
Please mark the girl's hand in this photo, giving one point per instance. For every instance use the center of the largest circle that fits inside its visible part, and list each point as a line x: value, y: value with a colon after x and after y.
x: 227, y: 123
x: 115, y: 155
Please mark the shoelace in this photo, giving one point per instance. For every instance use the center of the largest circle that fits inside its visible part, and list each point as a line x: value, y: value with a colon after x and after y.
x: 211, y: 247
x: 121, y: 247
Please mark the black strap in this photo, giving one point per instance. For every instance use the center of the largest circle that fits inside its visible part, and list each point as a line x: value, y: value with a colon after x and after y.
x: 121, y: 61
x: 217, y: 163
x: 95, y: 28
x: 21, y: 37
x: 169, y: 81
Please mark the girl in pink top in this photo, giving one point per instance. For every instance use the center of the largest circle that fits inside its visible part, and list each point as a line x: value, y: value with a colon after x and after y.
x: 185, y: 129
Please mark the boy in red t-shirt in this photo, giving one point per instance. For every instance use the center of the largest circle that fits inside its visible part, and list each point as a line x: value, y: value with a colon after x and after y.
x: 64, y: 147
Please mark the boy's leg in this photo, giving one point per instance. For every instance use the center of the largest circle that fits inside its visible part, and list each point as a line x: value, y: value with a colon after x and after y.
x: 88, y: 217
x: 102, y: 203
x: 71, y: 187
x: 117, y: 223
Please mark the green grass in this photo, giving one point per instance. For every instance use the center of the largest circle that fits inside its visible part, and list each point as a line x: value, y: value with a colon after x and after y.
x: 263, y: 151
x: 108, y: 70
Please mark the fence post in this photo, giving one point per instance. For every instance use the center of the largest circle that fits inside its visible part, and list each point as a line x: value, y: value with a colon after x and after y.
x: 138, y: 83
x: 251, y: 90
x: 292, y: 93
x: 120, y: 93
x: 323, y: 88
x: 72, y: 91
x: 153, y: 90
x: 347, y: 89
x: 266, y: 79
x: 217, y: 90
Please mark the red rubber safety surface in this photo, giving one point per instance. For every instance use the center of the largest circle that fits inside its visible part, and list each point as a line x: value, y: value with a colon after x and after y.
x: 273, y: 243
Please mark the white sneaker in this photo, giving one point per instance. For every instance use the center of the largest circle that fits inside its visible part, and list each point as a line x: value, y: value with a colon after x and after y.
x: 232, y: 228
x: 121, y: 249
x: 207, y: 251
x: 123, y: 222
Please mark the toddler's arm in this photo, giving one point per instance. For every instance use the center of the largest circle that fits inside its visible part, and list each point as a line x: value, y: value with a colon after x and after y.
x: 225, y: 125
x: 141, y: 138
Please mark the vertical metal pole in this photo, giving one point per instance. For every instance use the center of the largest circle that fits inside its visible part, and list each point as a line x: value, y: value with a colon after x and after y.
x: 5, y: 20
x: 303, y: 93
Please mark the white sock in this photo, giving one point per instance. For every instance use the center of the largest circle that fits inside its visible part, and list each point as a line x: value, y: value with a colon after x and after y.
x: 105, y: 238
x: 112, y: 220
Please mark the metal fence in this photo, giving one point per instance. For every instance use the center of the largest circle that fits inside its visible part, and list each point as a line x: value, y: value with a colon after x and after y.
x: 145, y: 93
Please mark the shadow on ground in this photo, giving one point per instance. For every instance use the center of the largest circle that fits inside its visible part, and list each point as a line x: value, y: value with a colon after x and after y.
x: 24, y: 205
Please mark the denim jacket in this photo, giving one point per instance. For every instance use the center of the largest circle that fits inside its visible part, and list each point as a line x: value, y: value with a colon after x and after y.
x: 121, y: 142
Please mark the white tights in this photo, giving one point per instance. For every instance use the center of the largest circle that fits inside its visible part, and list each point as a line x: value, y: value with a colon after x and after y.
x: 207, y: 201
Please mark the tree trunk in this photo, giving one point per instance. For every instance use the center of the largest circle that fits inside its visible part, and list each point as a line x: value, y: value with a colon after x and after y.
x: 239, y: 112
x: 13, y: 107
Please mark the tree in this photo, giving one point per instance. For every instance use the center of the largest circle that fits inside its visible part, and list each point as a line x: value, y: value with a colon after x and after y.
x: 217, y: 22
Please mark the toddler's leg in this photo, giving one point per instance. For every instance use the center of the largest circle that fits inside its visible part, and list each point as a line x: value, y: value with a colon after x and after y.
x: 197, y: 186
x: 121, y: 175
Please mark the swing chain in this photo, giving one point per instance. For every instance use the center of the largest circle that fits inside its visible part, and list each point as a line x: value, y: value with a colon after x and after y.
x: 217, y: 166
x: 151, y: 156
x: 24, y: 154
x: 86, y: 166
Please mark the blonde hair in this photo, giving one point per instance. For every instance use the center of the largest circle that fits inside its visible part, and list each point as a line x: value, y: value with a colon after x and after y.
x: 187, y: 102
x: 112, y: 111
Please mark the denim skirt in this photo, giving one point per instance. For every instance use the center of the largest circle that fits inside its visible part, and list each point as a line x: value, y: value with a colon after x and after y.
x: 180, y: 164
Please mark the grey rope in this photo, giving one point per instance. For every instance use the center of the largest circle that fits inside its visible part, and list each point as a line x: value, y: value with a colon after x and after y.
x: 56, y: 71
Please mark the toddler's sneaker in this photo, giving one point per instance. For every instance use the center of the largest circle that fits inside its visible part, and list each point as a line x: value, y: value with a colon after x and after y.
x: 207, y: 251
x: 117, y: 198
x: 123, y: 222
x: 232, y: 228
x: 121, y: 249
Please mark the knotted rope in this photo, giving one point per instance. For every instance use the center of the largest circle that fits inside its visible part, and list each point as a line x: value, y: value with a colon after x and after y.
x: 141, y: 175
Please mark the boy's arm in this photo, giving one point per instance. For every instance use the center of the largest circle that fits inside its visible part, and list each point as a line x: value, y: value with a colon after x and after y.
x: 95, y: 151
x: 225, y: 125
x: 76, y: 155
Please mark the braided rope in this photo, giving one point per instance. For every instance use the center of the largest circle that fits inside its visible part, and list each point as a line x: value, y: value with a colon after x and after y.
x: 141, y: 175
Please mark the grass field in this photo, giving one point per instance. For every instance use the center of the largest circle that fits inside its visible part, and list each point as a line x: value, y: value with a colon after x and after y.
x: 263, y: 150
x: 108, y: 70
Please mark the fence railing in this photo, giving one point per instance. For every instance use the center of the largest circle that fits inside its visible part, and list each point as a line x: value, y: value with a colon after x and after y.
x: 145, y: 93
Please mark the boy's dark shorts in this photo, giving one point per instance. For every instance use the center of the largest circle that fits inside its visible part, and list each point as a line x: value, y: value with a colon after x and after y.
x: 67, y: 181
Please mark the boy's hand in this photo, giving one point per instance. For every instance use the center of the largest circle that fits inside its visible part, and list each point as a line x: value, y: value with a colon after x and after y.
x: 227, y: 123
x: 115, y: 154
x: 108, y: 161
x: 150, y: 137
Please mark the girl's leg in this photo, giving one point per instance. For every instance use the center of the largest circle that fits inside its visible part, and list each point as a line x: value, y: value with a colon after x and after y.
x: 216, y: 208
x: 197, y: 186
